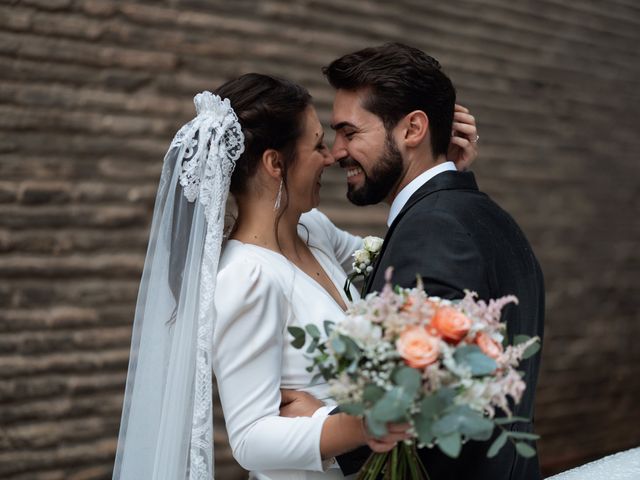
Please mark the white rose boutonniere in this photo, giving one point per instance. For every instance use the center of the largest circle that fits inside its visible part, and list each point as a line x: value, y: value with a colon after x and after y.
x: 363, y: 262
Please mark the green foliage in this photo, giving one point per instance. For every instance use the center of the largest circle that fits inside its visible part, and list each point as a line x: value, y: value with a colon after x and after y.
x: 298, y: 337
x: 352, y: 408
x: 393, y: 406
x: 497, y: 444
x: 508, y: 420
x: 313, y: 331
x: 451, y: 444
x: 526, y: 450
x: 478, y: 362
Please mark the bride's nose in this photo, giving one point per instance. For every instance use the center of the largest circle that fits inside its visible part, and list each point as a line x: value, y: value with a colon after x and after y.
x: 329, y: 159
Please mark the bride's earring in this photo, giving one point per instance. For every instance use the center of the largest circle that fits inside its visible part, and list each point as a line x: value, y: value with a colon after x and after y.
x: 278, y: 198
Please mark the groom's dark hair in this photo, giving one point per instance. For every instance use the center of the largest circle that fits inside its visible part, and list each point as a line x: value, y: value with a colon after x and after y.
x: 401, y: 79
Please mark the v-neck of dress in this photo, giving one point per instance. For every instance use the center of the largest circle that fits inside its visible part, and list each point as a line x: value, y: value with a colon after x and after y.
x: 306, y: 275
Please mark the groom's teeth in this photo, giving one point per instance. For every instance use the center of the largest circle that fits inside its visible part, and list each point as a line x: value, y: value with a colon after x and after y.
x: 353, y: 172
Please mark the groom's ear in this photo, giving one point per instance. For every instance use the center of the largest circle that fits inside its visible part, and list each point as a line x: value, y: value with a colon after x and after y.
x: 416, y: 126
x: 272, y: 163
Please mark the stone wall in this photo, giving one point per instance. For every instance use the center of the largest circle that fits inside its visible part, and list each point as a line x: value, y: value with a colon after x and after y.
x: 92, y: 91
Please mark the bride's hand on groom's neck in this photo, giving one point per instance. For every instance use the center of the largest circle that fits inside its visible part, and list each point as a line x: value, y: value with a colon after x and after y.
x: 463, y: 146
x: 298, y: 404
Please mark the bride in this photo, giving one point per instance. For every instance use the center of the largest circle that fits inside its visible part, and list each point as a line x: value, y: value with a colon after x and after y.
x: 203, y: 305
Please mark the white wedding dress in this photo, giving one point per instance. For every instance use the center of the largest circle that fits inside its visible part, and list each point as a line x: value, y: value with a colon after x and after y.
x: 259, y: 294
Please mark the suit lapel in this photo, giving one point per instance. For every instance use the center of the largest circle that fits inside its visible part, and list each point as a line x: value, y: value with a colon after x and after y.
x: 444, y: 181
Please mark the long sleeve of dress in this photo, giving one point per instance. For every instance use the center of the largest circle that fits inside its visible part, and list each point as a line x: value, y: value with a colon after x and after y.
x: 248, y: 349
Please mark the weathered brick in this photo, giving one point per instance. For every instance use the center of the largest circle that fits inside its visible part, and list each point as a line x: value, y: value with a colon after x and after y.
x: 8, y: 193
x: 117, y: 265
x: 33, y: 193
x: 49, y: 4
x: 49, y: 319
x: 13, y: 366
x: 101, y: 8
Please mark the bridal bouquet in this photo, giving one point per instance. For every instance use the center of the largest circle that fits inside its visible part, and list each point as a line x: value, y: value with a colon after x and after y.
x: 444, y: 367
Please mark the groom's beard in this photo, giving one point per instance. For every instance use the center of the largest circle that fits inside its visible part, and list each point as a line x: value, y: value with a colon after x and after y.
x: 385, y: 174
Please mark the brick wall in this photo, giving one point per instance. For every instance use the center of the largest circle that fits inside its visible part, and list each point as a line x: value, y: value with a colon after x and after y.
x: 92, y: 91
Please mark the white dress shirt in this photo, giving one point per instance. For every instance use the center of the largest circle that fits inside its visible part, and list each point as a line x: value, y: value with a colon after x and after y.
x: 259, y: 294
x: 412, y: 187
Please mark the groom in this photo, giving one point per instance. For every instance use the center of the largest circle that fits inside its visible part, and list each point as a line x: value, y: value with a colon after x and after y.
x: 393, y: 114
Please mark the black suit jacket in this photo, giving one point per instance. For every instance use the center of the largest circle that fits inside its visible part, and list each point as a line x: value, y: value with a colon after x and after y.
x: 455, y: 237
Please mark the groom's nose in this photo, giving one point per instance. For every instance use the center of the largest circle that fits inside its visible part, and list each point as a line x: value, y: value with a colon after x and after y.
x: 338, y: 150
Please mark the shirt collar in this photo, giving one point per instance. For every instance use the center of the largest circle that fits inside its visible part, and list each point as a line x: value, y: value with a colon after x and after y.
x: 405, y: 194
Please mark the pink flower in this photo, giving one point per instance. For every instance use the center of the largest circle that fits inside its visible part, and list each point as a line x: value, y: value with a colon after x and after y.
x: 417, y: 347
x: 488, y: 345
x: 452, y: 324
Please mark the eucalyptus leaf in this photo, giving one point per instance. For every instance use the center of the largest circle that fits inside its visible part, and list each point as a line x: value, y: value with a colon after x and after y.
x: 338, y: 345
x: 451, y: 444
x: 312, y: 346
x: 497, y: 445
x: 352, y: 408
x: 525, y: 450
x: 446, y: 425
x: 353, y: 350
x: 508, y: 420
x: 316, y: 379
x: 313, y: 331
x: 462, y: 419
x: 328, y: 327
x: 518, y: 339
x: 424, y: 427
x: 298, y: 337
x: 372, y: 393
x: 524, y: 435
x: 531, y: 350
x: 475, y: 426
x: 446, y: 396
x: 408, y: 378
x: 431, y: 406
x: 393, y: 406
x: 353, y: 366
x: 376, y: 427
x: 478, y: 362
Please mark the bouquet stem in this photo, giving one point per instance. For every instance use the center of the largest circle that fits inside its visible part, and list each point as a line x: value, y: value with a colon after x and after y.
x: 400, y: 463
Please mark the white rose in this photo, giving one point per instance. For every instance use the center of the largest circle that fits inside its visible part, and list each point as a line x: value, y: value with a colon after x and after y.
x: 361, y: 329
x: 373, y: 244
x: 362, y: 256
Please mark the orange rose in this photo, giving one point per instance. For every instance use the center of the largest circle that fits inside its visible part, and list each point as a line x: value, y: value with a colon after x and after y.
x: 488, y: 345
x: 451, y: 324
x: 417, y: 347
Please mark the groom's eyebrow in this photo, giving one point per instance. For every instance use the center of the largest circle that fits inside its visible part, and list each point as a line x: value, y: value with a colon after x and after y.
x: 341, y: 125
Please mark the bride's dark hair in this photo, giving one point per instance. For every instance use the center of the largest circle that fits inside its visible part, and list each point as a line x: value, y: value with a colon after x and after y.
x: 270, y: 111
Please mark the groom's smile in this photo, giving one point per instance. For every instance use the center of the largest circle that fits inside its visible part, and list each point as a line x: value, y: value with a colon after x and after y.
x: 355, y: 172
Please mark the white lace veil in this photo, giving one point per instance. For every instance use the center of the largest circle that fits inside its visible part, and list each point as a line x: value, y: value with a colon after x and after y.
x: 166, y: 430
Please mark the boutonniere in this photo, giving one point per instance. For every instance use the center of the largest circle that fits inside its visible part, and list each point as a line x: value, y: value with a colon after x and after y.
x: 363, y: 259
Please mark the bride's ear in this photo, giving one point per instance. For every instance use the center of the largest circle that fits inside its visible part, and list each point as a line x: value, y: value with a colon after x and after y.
x: 272, y: 163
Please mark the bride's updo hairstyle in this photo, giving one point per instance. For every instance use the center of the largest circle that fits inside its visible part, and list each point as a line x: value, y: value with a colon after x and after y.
x: 271, y: 114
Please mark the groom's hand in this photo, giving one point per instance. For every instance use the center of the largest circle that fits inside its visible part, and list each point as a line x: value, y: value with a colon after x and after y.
x: 463, y: 148
x: 298, y: 404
